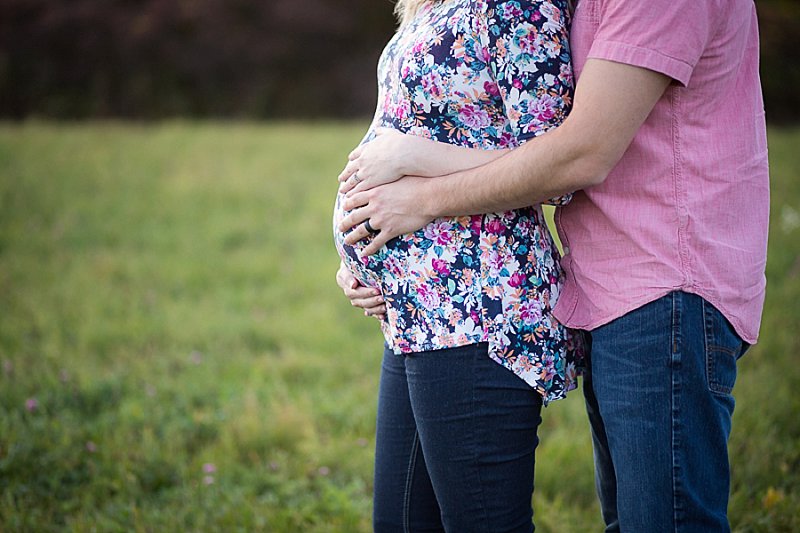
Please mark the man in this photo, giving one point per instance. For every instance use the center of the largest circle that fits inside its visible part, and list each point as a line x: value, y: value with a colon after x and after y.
x: 664, y: 245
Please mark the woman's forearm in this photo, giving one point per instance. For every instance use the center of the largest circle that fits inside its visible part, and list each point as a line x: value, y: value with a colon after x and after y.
x: 392, y: 155
x: 429, y: 158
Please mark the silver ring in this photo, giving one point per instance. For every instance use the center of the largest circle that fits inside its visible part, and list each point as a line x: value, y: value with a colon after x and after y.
x: 370, y: 229
x: 356, y: 178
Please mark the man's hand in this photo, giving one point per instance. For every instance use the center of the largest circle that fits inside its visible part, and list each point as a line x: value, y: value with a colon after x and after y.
x: 393, y: 209
x: 368, y: 299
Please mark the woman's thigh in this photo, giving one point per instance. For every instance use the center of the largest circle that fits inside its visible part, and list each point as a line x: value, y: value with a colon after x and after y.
x: 477, y: 424
x: 403, y: 495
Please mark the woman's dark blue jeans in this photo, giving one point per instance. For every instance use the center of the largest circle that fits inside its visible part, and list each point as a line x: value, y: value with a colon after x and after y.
x: 456, y: 438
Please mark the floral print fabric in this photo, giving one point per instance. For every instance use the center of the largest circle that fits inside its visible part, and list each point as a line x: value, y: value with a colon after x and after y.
x: 481, y: 74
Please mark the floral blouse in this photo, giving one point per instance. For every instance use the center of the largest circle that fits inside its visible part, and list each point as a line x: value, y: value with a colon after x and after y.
x: 480, y: 74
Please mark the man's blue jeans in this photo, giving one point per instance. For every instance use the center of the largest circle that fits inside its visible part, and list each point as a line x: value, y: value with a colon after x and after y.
x: 456, y: 438
x: 659, y: 401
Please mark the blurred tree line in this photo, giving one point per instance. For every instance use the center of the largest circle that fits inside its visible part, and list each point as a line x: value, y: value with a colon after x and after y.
x: 244, y: 58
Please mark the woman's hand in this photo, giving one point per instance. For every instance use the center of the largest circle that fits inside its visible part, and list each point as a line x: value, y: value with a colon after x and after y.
x: 382, y: 160
x: 368, y: 299
x: 392, y: 155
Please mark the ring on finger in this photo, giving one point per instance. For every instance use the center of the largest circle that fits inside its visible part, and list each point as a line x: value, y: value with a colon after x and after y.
x: 370, y: 229
x: 356, y: 178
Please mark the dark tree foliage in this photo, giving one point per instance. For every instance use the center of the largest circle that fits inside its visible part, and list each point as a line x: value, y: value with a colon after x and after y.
x: 780, y: 58
x: 155, y: 58
x: 242, y: 58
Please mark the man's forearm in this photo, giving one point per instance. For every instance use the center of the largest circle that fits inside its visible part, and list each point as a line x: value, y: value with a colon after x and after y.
x: 612, y: 100
x: 546, y: 167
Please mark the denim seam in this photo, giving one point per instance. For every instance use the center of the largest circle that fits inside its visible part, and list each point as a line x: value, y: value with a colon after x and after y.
x: 677, y: 322
x: 708, y: 334
x: 412, y: 465
x: 478, y: 353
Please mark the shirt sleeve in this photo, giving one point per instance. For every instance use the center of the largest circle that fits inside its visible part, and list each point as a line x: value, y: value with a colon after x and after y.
x: 527, y: 47
x: 667, y: 36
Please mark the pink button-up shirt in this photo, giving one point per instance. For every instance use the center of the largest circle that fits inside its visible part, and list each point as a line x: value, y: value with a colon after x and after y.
x: 687, y: 206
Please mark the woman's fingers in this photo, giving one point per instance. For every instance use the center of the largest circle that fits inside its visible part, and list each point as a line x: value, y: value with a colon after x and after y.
x: 352, y: 182
x: 355, y: 153
x: 362, y: 295
x: 376, y: 312
x: 349, y: 169
x: 370, y: 303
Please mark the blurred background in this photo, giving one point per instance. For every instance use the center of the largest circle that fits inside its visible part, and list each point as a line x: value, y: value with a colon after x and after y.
x: 77, y: 59
x: 174, y: 352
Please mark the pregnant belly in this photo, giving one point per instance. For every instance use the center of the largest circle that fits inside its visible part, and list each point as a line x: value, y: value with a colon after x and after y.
x: 366, y: 270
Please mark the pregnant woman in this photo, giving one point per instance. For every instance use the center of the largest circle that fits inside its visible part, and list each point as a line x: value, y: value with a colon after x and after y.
x: 472, y: 350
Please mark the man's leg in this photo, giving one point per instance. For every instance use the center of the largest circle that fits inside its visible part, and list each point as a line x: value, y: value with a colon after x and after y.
x: 662, y: 377
x: 605, y: 479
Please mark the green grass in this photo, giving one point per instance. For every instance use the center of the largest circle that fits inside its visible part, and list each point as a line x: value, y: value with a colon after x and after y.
x: 176, y: 355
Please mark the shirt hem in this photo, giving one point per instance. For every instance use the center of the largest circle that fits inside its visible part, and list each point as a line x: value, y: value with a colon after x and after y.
x: 605, y: 319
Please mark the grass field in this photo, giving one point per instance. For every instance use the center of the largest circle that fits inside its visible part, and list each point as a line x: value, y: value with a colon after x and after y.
x: 177, y: 357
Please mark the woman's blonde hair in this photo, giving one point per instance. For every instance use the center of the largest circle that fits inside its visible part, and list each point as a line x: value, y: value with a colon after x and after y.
x: 406, y: 9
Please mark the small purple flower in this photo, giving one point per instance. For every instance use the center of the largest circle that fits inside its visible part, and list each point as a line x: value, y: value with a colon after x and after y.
x: 441, y: 267
x: 511, y: 11
x: 324, y: 471
x: 208, y: 480
x: 544, y: 108
x: 495, y: 226
x: 91, y: 447
x: 196, y: 357
x: 439, y: 232
x: 516, y: 279
x: 530, y: 312
x: 474, y: 117
x: 209, y: 468
x: 427, y: 297
x: 491, y: 88
x: 31, y: 404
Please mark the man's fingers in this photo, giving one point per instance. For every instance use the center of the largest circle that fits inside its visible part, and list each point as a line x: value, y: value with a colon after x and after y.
x: 359, y: 233
x: 376, y: 244
x: 356, y: 217
x: 355, y: 200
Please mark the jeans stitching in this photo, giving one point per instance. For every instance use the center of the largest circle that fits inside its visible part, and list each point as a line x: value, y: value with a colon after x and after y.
x: 478, y: 354
x: 712, y: 383
x: 412, y: 465
x: 708, y: 334
x: 677, y: 303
